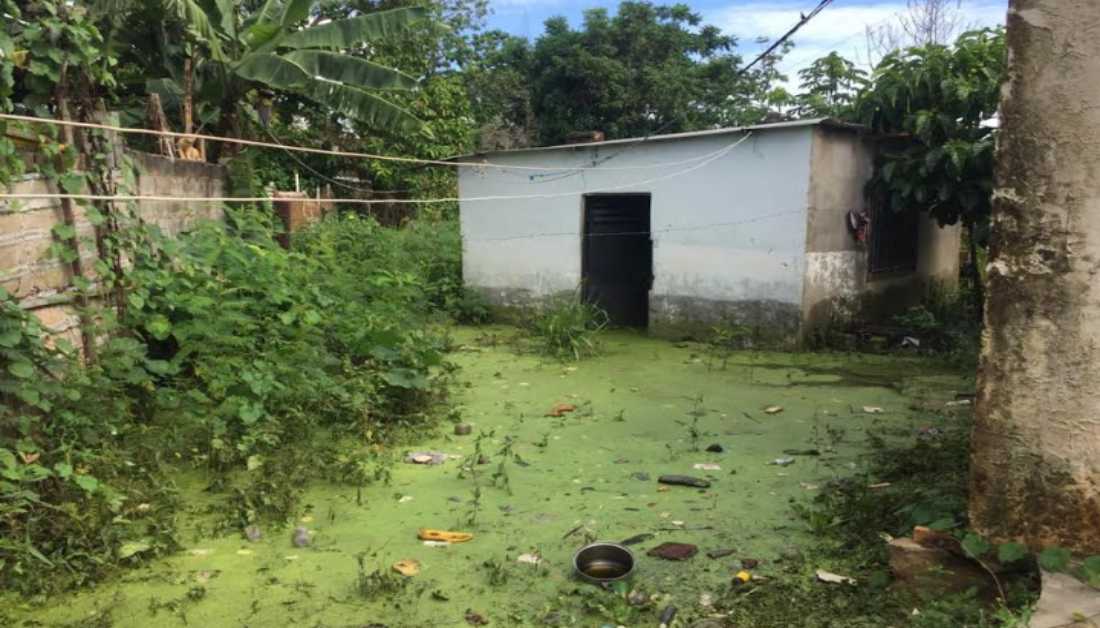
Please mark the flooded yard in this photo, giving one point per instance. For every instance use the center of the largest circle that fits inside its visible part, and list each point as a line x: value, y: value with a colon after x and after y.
x: 764, y: 430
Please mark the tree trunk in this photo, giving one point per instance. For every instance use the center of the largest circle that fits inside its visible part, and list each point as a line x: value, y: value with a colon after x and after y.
x: 1035, y: 462
x: 188, y: 95
x: 977, y: 288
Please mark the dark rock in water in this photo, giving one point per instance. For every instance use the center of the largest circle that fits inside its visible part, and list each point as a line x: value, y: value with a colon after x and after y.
x: 301, y: 537
x: 641, y: 476
x: 637, y: 538
x: 684, y: 480
x: 720, y: 553
x: 749, y: 563
x: 715, y: 449
x: 253, y: 533
x: 668, y: 615
x: 802, y: 452
x: 463, y: 429
x: 475, y: 619
x: 483, y: 459
x: 673, y: 551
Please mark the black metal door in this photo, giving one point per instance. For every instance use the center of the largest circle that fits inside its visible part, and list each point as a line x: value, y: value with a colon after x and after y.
x: 617, y: 259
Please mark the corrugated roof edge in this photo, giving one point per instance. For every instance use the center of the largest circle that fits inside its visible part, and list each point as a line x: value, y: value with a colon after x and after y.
x: 827, y: 122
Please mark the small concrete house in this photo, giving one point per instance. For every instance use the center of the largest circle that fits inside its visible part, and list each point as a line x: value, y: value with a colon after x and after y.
x: 764, y: 226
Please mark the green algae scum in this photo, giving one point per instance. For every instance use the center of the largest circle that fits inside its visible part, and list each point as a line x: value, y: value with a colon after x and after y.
x: 545, y: 486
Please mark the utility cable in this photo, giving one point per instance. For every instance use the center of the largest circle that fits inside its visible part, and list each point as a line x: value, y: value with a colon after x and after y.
x: 361, y: 201
x: 333, y: 152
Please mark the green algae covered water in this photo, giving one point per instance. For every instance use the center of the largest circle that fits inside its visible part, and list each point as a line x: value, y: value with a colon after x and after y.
x: 645, y: 408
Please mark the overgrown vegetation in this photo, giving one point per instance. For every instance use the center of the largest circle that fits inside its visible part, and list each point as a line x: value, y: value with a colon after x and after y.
x: 231, y: 355
x: 912, y: 477
x: 566, y: 327
x: 948, y: 324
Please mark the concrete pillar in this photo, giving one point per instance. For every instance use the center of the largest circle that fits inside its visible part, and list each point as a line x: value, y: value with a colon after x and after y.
x: 1035, y: 473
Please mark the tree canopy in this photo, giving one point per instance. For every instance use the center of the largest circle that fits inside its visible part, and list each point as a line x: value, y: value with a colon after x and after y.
x: 646, y: 68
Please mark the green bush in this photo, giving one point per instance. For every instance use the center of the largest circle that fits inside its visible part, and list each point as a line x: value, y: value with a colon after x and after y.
x: 567, y: 328
x: 948, y: 323
x: 229, y: 353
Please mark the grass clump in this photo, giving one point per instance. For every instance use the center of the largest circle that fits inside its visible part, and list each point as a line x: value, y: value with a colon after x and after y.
x: 567, y: 328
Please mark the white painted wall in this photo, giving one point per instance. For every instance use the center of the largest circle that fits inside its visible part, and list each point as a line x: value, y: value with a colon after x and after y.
x: 731, y: 230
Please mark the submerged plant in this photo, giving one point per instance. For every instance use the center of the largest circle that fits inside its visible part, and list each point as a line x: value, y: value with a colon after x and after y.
x: 371, y: 584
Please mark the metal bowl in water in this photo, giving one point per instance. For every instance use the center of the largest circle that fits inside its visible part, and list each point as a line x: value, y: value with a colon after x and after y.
x: 603, y: 562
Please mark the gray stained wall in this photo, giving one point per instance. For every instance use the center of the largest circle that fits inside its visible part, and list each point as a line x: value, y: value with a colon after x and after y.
x: 838, y: 283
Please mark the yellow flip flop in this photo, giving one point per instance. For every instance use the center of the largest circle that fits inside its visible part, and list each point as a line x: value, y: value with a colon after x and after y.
x: 426, y: 534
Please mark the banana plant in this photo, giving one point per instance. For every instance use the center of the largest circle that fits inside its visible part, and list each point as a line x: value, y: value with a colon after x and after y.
x: 284, y: 47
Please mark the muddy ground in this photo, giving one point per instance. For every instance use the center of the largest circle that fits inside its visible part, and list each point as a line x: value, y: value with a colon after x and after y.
x: 645, y: 408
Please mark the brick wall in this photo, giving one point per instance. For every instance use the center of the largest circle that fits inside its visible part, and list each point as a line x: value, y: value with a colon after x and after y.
x: 297, y: 210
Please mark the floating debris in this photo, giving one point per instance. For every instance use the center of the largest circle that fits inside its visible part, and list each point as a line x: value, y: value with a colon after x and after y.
x: 561, y: 409
x: 707, y: 466
x: 428, y: 457
x: 637, y: 538
x: 782, y: 462
x: 773, y: 409
x: 802, y: 452
x: 245, y: 552
x: 404, y: 499
x: 880, y: 485
x: 407, y: 567
x: 674, y: 551
x: 684, y: 480
x: 475, y: 619
x: 872, y: 410
x: 832, y: 578
x: 200, y: 552
x: 667, y: 616
x: 301, y: 537
x: 532, y: 558
x: 428, y: 534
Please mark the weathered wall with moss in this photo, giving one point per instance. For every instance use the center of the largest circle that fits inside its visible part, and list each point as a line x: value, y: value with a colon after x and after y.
x: 1035, y: 472
x: 838, y: 286
x: 40, y: 281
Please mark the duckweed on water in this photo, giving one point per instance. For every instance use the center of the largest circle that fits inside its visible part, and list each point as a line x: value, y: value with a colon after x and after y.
x: 547, y: 486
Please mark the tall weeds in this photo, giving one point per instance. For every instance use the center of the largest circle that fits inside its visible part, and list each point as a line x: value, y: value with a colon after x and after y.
x: 232, y: 356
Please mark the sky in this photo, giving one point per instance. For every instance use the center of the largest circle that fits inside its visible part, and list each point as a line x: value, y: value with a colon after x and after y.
x: 841, y: 26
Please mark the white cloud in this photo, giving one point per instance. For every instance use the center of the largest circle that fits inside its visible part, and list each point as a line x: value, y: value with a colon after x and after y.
x: 839, y: 27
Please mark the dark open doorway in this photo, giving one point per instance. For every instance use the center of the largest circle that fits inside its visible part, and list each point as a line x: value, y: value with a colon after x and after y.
x: 617, y: 256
